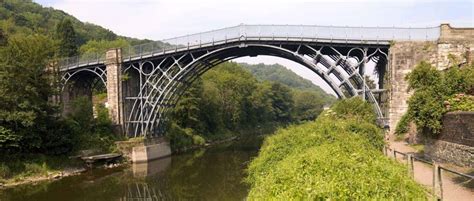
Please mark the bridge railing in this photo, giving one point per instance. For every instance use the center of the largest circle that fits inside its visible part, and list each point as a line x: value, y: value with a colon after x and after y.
x: 82, y: 60
x: 268, y: 32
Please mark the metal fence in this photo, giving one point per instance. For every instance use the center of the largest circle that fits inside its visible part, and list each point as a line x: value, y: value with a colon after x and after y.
x: 266, y: 32
x: 437, y: 181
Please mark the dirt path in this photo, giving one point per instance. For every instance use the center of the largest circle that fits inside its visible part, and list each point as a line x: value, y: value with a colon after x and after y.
x: 424, y: 175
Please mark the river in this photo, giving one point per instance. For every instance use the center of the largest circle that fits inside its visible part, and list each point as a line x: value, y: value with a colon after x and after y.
x: 214, y: 173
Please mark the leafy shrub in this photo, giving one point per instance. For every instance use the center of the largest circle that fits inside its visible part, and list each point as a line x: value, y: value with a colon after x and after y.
x: 461, y: 102
x: 35, y: 169
x: 180, y: 138
x: 431, y: 88
x: 402, y: 126
x: 5, y: 171
x: 336, y: 157
x: 354, y: 107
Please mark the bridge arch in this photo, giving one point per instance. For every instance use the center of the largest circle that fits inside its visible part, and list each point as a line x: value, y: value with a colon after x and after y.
x: 99, y: 72
x: 342, y: 68
x: 80, y: 82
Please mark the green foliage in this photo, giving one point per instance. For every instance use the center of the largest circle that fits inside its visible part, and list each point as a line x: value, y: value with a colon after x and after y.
x: 278, y: 73
x: 355, y: 107
x: 432, y: 88
x: 17, y: 167
x: 3, y: 38
x: 461, y: 102
x: 282, y: 102
x: 66, y: 35
x: 89, y: 132
x: 183, y: 138
x: 25, y: 113
x: 402, y: 126
x: 27, y: 17
x: 336, y: 157
x: 94, y: 46
x: 229, y: 99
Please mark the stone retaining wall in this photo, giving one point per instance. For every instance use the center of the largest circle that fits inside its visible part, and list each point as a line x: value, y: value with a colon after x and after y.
x: 442, y: 151
x: 455, y: 143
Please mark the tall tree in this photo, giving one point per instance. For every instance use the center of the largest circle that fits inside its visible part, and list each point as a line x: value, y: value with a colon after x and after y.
x: 24, y: 90
x: 66, y: 35
x: 282, y: 102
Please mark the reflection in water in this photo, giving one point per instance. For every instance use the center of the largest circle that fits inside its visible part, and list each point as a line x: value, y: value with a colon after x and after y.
x: 151, y: 168
x: 207, y: 174
x: 143, y: 192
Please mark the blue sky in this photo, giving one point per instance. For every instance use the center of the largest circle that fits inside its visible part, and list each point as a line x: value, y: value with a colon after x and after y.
x: 158, y: 19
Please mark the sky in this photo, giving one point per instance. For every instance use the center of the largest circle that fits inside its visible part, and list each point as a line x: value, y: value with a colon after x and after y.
x: 161, y: 19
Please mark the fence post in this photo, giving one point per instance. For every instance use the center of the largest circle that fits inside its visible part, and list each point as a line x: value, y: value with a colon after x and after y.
x: 411, y: 171
x: 437, y: 182
x: 394, y: 154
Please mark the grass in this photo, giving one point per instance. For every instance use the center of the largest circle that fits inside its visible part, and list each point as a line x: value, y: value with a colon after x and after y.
x: 336, y: 157
x: 33, y: 165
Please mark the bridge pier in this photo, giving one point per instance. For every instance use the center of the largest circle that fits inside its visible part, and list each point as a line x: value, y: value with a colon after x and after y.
x: 113, y: 65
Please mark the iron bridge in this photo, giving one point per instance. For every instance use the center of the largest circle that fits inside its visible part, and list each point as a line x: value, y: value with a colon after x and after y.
x: 158, y: 73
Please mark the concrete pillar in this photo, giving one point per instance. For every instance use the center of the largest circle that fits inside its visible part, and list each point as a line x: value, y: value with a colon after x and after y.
x: 152, y: 148
x: 114, y: 87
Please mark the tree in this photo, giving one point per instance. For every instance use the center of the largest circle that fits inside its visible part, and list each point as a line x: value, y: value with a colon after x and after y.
x: 66, y: 35
x: 186, y: 112
x: 431, y: 89
x: 282, y: 101
x: 25, y: 113
x: 307, y: 105
x: 94, y: 46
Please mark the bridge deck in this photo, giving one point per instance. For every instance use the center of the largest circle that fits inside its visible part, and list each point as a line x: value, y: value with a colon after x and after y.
x: 243, y: 33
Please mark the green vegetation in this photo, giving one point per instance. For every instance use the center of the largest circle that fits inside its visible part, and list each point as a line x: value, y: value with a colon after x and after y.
x: 279, y: 73
x: 27, y: 17
x: 338, y: 157
x: 435, y: 93
x: 33, y: 136
x: 460, y: 102
x: 26, y: 122
x: 66, y: 35
x: 16, y: 169
x: 229, y: 100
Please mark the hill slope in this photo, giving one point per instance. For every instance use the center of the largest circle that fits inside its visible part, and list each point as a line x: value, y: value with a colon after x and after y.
x: 27, y: 17
x: 279, y: 73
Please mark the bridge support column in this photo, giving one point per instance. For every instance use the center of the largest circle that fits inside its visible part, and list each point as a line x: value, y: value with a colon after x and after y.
x: 114, y: 88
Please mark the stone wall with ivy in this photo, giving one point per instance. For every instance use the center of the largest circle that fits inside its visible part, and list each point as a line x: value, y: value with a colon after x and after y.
x: 455, y: 47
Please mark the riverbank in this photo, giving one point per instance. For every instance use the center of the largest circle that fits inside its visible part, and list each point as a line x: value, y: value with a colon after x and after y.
x: 18, y: 170
x: 39, y: 168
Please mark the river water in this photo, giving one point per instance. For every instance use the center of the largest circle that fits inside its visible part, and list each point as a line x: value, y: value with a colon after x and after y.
x: 214, y: 173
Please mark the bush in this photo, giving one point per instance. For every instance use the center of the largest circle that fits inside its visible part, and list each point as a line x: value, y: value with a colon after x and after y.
x: 336, y: 157
x: 431, y: 89
x: 182, y: 138
x: 403, y: 125
x: 5, y: 172
x: 461, y: 102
